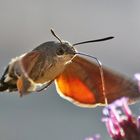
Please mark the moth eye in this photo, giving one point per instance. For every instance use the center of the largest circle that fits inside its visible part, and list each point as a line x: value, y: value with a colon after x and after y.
x: 60, y: 51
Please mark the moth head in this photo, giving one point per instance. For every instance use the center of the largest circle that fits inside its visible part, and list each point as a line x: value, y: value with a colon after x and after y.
x: 63, y: 49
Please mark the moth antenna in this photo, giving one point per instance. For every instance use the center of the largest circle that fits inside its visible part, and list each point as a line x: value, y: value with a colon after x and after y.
x: 54, y: 34
x: 97, y: 40
x: 101, y: 73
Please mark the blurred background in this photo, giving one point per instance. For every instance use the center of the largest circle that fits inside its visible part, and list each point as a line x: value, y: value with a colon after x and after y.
x: 24, y: 24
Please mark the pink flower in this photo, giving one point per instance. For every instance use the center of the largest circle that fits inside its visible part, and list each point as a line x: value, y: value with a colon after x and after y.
x: 95, y: 137
x: 120, y: 122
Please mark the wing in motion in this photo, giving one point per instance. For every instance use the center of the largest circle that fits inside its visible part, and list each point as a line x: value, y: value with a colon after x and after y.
x: 22, y: 72
x: 81, y: 84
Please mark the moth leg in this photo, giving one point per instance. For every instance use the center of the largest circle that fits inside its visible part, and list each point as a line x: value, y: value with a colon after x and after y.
x: 45, y: 86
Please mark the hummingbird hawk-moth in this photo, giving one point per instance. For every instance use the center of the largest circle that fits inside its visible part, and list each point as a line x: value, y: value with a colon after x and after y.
x: 79, y: 80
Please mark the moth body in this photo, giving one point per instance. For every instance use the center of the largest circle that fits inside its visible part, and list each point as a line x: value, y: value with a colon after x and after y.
x: 42, y: 65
